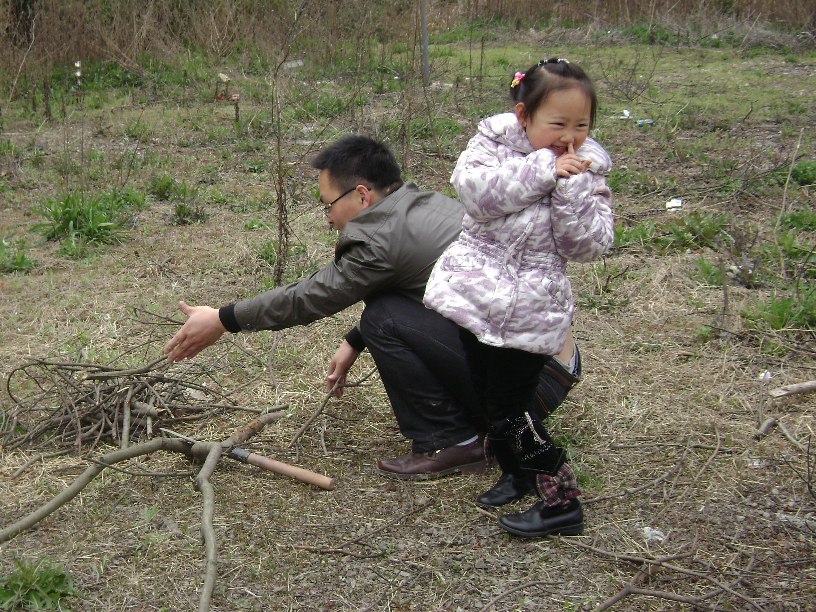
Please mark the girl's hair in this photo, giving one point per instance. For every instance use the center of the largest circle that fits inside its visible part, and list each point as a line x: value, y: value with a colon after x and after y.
x: 533, y: 87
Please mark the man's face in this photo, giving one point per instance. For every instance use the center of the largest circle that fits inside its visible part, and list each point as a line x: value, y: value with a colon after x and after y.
x: 339, y: 205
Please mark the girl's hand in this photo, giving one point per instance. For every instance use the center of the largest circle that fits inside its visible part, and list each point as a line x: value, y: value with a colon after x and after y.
x: 569, y: 164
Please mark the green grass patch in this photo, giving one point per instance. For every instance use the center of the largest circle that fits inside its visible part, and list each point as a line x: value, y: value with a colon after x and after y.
x: 708, y: 272
x: 803, y: 220
x: 795, y: 311
x: 691, y: 232
x: 189, y: 213
x: 88, y: 219
x: 36, y: 586
x: 83, y: 221
x: 804, y: 172
x: 14, y: 258
x: 162, y: 186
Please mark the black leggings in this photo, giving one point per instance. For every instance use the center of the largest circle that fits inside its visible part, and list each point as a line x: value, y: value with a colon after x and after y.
x: 504, y: 378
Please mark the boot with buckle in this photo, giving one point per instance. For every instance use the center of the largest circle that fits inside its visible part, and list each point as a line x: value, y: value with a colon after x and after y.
x: 558, y: 512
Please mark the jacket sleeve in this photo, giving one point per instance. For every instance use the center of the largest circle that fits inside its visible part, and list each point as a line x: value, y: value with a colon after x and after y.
x: 581, y: 212
x: 490, y: 187
x: 342, y: 283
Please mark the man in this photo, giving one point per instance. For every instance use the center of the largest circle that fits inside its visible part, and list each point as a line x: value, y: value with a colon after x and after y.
x: 390, y: 235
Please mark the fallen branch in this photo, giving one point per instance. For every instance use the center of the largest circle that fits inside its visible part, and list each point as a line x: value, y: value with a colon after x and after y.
x: 500, y: 596
x: 660, y: 563
x: 202, y: 483
x: 802, y: 387
x: 341, y: 548
x: 634, y: 490
x: 769, y: 424
x: 27, y: 522
x: 129, y: 372
x: 631, y: 589
x: 322, y: 406
x: 212, y: 451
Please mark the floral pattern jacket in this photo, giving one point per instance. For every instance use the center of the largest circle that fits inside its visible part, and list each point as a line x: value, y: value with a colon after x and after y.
x: 504, y: 277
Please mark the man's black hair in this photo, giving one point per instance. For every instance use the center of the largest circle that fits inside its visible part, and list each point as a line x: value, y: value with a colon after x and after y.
x: 355, y: 159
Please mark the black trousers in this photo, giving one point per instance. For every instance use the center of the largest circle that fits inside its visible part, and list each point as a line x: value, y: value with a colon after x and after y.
x: 505, y: 378
x: 424, y: 369
x: 422, y: 365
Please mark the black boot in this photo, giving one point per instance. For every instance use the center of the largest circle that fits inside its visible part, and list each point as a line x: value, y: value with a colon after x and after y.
x: 542, y: 520
x: 513, y: 484
x: 558, y: 513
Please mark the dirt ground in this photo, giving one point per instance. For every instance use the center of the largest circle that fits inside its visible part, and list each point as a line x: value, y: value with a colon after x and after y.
x: 662, y: 429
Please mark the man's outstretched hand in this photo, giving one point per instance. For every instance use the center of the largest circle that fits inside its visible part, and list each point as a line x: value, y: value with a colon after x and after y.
x: 202, y: 328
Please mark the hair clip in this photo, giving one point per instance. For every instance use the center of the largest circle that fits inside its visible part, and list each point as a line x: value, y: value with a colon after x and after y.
x: 517, y: 79
x: 553, y: 60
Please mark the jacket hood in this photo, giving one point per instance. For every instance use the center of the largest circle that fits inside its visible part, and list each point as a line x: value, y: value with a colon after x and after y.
x: 506, y: 130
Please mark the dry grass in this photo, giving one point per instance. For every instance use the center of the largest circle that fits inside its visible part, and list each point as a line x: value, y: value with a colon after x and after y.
x: 662, y: 427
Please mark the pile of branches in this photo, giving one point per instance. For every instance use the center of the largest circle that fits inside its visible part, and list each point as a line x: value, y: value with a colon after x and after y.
x: 79, y: 405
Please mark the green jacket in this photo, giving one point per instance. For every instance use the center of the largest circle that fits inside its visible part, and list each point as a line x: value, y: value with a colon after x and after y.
x: 389, y: 247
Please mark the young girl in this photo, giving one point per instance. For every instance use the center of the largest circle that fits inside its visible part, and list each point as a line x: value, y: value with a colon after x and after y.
x: 534, y: 190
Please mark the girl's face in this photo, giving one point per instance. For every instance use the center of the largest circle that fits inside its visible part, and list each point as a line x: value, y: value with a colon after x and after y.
x: 562, y: 119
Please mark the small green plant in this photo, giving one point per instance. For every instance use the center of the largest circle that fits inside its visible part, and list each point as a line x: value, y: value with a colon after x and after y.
x: 804, y: 172
x: 651, y: 34
x: 804, y: 220
x: 188, y: 213
x: 708, y: 273
x: 268, y: 253
x: 35, y: 586
x: 630, y: 182
x: 137, y: 130
x: 421, y: 127
x: 787, y: 312
x: 76, y: 214
x: 13, y: 257
x: 255, y: 224
x: 639, y: 235
x: 87, y: 220
x: 162, y: 186
x: 694, y: 231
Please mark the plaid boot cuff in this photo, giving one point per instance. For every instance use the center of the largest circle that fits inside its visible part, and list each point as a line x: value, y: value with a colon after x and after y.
x: 558, y: 489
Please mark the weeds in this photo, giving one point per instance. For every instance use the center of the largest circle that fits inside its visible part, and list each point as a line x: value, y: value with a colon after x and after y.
x: 692, y: 232
x: 803, y: 220
x: 13, y: 257
x: 82, y: 220
x: 188, y: 213
x: 708, y: 273
x: 787, y: 312
x: 162, y: 186
x: 804, y: 172
x: 35, y: 586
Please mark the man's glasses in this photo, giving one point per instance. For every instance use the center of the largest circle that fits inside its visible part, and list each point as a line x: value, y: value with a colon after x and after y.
x: 327, y: 207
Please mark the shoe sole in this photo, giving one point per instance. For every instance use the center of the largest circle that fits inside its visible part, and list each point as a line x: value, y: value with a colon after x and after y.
x: 566, y: 530
x: 470, y: 468
x: 495, y: 506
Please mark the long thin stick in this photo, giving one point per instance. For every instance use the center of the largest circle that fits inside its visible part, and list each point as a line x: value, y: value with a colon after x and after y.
x: 86, y: 477
x: 202, y: 483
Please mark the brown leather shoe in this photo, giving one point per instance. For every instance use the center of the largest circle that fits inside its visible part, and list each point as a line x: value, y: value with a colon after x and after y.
x: 435, y: 464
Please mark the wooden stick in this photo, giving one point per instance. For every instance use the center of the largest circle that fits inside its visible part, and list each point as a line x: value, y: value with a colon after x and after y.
x: 86, y: 477
x: 802, y: 387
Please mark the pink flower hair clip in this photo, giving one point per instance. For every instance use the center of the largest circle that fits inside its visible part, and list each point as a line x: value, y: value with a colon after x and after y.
x: 517, y: 79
